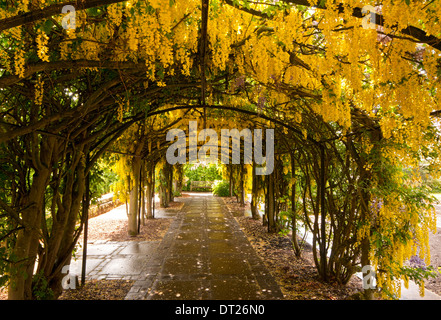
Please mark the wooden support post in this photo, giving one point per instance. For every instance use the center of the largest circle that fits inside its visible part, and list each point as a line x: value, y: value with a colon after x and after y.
x: 231, y: 179
x: 203, y: 50
x: 153, y: 189
x: 150, y: 190
x: 323, y: 256
x: 271, y: 204
x: 242, y: 185
x: 254, y: 200
x: 139, y: 197
x: 295, y: 243
x: 86, y: 201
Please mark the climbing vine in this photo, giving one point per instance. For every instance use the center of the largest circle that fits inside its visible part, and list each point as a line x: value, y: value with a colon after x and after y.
x: 354, y: 111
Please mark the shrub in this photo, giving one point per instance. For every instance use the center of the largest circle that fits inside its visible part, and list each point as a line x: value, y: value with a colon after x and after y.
x: 40, y: 288
x: 221, y: 188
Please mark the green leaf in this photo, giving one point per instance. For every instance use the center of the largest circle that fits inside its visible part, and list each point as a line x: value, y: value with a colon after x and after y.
x: 47, y: 26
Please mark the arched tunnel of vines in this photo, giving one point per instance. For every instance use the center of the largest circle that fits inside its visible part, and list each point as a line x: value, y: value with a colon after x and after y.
x: 321, y: 117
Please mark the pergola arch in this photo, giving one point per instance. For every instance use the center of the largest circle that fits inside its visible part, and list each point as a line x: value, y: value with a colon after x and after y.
x: 56, y: 140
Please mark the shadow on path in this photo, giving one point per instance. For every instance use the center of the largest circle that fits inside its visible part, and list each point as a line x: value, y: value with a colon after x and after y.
x: 205, y: 255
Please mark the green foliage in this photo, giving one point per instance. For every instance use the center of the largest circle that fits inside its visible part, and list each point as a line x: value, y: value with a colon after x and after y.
x: 221, y: 188
x: 7, y: 241
x: 3, y: 267
x: 419, y: 274
x: 202, y: 173
x: 428, y: 180
x: 434, y: 185
x: 40, y: 288
x: 176, y: 193
x: 101, y: 179
x: 285, y: 216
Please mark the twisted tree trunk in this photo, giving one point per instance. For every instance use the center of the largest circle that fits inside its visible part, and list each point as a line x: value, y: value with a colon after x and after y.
x: 26, y: 246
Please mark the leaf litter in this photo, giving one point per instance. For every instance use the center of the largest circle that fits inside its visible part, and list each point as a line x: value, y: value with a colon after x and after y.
x: 297, y: 277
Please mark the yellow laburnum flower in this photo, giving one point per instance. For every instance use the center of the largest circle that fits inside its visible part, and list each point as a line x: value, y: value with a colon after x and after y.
x: 39, y: 92
x: 19, y: 63
x: 42, y: 49
x: 16, y: 33
x: 115, y: 13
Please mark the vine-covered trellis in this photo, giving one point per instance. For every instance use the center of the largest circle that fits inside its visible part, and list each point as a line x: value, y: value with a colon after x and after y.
x: 354, y: 113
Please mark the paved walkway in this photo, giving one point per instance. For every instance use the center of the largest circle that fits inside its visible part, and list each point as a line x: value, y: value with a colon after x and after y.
x: 204, y: 255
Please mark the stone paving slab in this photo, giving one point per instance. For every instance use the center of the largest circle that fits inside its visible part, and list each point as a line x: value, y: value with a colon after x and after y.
x: 126, y: 260
x: 203, y: 255
x: 206, y: 256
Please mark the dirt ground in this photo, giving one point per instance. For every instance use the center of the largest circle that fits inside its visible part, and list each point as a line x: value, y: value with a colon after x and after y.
x: 99, y: 290
x: 298, y: 277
